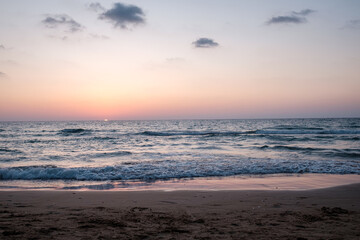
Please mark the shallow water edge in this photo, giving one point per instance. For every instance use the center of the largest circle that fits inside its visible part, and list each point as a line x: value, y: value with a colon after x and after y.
x: 242, y: 182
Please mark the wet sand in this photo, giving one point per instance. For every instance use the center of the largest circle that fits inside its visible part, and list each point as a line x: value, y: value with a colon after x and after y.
x: 331, y: 213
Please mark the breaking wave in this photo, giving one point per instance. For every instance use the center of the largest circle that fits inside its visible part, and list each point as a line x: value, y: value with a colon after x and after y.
x: 7, y: 150
x: 237, y: 133
x: 161, y: 170
x: 73, y: 131
x: 339, y: 131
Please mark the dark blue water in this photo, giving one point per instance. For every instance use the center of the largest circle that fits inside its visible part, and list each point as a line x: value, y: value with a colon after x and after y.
x: 153, y: 150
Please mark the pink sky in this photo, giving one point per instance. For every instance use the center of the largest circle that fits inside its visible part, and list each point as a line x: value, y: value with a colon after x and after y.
x: 285, y: 59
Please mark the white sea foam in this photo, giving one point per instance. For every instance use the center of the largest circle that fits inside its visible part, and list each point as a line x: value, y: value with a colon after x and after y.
x: 173, y: 169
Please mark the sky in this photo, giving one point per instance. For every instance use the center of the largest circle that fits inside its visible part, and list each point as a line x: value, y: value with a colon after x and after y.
x: 171, y: 59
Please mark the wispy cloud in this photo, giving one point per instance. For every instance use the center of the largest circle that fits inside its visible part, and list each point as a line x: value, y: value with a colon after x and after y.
x: 205, y: 43
x: 59, y: 37
x: 97, y: 36
x: 2, y: 47
x: 62, y: 21
x: 96, y: 7
x: 3, y: 75
x: 304, y: 12
x: 124, y: 16
x: 293, y: 18
x: 9, y: 62
x: 175, y: 60
x: 352, y: 24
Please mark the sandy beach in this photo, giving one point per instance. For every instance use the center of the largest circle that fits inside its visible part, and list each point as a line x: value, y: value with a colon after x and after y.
x: 331, y: 213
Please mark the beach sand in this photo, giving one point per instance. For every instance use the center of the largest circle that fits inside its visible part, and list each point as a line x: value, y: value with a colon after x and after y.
x: 331, y: 213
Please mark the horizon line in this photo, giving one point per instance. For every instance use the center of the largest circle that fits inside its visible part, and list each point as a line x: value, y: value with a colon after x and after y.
x: 178, y: 119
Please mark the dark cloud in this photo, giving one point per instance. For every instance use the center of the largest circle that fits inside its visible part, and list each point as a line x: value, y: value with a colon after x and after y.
x: 62, y: 21
x: 122, y: 15
x: 304, y: 12
x: 286, y: 19
x: 205, y: 43
x: 294, y: 17
x: 96, y: 7
x: 352, y: 24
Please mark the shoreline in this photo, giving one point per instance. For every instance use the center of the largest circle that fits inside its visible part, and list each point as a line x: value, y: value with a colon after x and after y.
x: 289, y: 182
x: 328, y: 213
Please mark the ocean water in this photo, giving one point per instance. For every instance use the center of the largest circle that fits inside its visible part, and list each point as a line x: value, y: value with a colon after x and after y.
x: 98, y: 153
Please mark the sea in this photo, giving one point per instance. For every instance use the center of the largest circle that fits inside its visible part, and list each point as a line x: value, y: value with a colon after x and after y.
x: 109, y: 154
